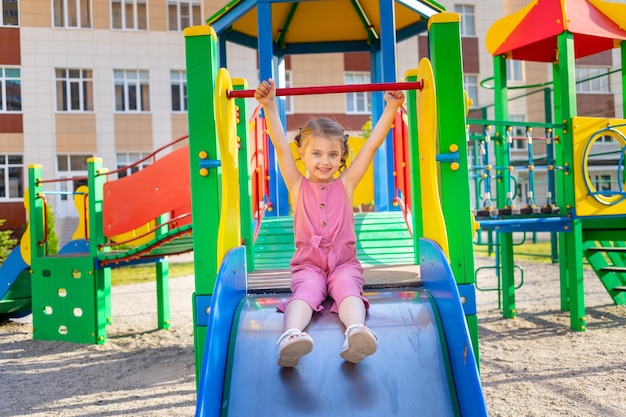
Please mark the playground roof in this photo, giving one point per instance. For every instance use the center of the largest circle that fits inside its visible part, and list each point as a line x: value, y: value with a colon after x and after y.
x: 322, y: 25
x: 531, y: 33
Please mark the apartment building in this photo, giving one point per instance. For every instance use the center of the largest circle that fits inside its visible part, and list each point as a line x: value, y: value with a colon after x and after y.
x: 107, y: 78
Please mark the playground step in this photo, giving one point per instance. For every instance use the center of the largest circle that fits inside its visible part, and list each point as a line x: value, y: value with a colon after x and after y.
x: 613, y: 269
x: 609, y: 263
x: 607, y: 249
x: 382, y: 239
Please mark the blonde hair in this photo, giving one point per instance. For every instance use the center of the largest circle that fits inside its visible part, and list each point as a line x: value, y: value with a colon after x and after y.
x: 326, y: 128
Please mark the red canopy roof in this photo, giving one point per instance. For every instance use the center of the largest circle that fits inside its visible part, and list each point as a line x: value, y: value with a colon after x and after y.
x: 531, y: 33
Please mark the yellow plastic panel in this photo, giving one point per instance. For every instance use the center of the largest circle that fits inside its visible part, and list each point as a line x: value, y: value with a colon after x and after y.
x: 434, y: 224
x: 585, y: 134
x: 229, y: 230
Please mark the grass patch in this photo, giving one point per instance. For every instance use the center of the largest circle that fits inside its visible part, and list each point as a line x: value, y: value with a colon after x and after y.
x: 534, y: 252
x: 147, y: 273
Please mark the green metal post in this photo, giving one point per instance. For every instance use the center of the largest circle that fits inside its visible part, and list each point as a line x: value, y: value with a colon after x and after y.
x: 503, y: 178
x: 414, y: 161
x: 571, y: 243
x: 162, y: 280
x: 623, y: 74
x: 95, y: 184
x: 446, y: 58
x: 163, y: 294
x: 245, y: 174
x: 201, y: 60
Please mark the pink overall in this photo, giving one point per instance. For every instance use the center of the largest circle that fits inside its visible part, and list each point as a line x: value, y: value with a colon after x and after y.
x: 325, y: 261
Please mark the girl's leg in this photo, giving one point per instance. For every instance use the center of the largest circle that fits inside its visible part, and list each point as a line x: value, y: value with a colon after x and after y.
x: 352, y: 311
x: 298, y: 314
x: 294, y: 343
x: 360, y: 341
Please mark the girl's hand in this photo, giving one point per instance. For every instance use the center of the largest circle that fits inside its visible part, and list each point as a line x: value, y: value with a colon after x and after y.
x: 265, y: 92
x: 394, y: 98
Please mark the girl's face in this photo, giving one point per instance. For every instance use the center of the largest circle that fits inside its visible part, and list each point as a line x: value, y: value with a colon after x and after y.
x: 322, y: 157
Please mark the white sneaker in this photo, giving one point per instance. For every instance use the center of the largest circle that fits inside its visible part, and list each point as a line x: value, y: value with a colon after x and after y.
x: 292, y: 345
x: 360, y: 343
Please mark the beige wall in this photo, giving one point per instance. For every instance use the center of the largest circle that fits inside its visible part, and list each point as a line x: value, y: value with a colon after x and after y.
x: 76, y: 132
x: 321, y: 69
x: 101, y: 14
x: 157, y: 12
x: 36, y: 13
x: 179, y: 126
x: 133, y: 132
x: 12, y: 142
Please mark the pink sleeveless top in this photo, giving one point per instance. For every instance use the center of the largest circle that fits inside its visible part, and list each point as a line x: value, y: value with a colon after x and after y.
x: 323, y: 223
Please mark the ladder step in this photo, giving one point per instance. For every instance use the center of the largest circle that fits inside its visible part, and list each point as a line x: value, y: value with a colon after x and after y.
x: 620, y: 289
x: 613, y: 269
x: 605, y: 249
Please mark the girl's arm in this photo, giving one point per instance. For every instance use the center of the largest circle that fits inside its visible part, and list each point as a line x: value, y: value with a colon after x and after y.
x: 355, y: 172
x: 265, y: 94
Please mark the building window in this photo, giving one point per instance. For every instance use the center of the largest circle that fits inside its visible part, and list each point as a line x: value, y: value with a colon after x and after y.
x: 592, y: 80
x: 74, y: 89
x: 10, y: 90
x: 129, y: 14
x: 467, y: 19
x: 9, y: 12
x: 126, y: 159
x: 288, y: 99
x: 178, y: 81
x: 471, y: 86
x: 360, y: 102
x: 11, y: 176
x: 132, y: 90
x: 71, y: 166
x: 603, y: 182
x: 72, y: 13
x: 182, y: 14
x: 514, y: 70
x: 518, y: 133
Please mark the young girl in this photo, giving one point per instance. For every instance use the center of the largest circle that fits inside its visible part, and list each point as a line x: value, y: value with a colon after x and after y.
x: 325, y: 261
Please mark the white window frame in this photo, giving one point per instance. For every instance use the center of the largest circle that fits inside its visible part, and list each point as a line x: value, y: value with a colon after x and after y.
x: 468, y: 20
x: 178, y: 82
x: 601, y: 85
x: 518, y: 132
x: 471, y: 86
x: 289, y: 109
x: 129, y: 84
x: 72, y: 14
x: 7, y: 14
x: 359, y: 102
x: 74, y: 165
x: 514, y: 70
x: 133, y: 14
x: 74, y: 84
x: 5, y: 167
x: 14, y: 76
x: 183, y: 13
x: 124, y: 159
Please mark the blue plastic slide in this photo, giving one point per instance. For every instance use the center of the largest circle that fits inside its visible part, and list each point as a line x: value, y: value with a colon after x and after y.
x: 424, y: 364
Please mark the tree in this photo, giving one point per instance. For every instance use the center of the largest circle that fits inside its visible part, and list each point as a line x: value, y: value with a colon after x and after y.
x: 7, y: 243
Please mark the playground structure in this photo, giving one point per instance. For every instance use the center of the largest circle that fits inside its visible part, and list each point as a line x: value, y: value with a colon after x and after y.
x: 235, y: 327
x: 136, y: 219
x: 590, y: 222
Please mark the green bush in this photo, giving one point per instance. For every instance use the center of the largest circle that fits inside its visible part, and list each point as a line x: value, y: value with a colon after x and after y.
x: 6, y: 242
x: 53, y: 239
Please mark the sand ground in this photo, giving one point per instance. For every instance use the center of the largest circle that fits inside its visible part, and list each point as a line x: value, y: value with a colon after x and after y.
x: 530, y: 366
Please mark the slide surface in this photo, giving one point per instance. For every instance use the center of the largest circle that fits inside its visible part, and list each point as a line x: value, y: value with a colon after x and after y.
x: 408, y: 375
x: 17, y: 299
x: 424, y: 365
x: 12, y: 267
